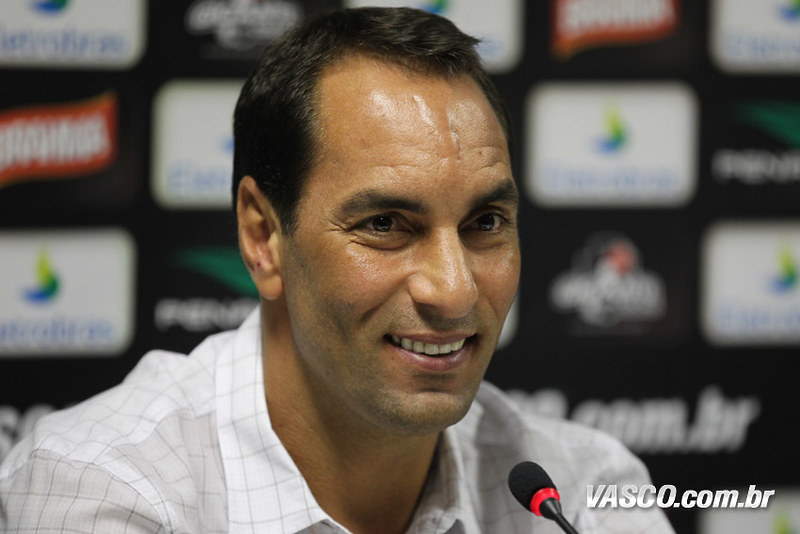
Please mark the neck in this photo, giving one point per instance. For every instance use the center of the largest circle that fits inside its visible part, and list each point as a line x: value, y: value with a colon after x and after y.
x: 365, y: 478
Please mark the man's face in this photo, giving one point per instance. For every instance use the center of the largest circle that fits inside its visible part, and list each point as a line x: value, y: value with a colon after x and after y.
x: 405, y: 258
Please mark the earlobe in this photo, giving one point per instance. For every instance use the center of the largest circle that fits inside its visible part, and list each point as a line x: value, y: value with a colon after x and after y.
x: 259, y: 238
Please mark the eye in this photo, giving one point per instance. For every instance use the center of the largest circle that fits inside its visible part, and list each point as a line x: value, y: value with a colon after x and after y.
x: 488, y: 222
x: 380, y: 223
x: 388, y: 231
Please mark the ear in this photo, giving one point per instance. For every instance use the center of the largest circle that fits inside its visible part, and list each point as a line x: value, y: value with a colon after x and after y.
x: 259, y: 238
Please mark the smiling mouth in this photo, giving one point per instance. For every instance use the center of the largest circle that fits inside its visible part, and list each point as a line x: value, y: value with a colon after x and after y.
x: 428, y: 349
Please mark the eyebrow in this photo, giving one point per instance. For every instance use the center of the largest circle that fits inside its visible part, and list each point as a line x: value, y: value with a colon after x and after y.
x: 375, y: 200
x: 505, y: 192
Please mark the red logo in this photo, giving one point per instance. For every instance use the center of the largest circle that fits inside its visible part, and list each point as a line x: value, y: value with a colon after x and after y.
x: 58, y: 141
x: 580, y: 24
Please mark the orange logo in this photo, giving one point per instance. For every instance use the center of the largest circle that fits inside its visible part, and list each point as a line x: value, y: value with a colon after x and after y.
x: 61, y: 140
x: 580, y: 24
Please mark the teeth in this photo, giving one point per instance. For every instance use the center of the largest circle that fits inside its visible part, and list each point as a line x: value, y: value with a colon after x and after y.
x: 430, y: 349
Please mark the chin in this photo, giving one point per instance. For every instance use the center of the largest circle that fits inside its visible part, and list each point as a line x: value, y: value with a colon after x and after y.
x: 428, y: 413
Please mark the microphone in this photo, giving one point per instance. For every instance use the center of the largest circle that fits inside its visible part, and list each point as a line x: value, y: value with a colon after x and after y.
x: 535, y: 491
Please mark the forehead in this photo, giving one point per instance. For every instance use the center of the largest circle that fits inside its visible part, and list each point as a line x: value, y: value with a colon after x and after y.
x: 370, y: 92
x: 382, y: 124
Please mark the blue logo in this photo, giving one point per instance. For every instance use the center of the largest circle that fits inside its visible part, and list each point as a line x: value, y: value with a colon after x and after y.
x: 790, y: 12
x: 434, y: 6
x: 50, y: 6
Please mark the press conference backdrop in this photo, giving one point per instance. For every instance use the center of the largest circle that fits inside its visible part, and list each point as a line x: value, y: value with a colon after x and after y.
x: 657, y: 150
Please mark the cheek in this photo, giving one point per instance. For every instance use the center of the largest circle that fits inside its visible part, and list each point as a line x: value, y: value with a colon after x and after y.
x: 369, y: 276
x: 499, y: 278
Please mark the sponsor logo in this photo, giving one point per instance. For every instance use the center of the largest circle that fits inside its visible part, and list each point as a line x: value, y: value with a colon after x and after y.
x: 616, y: 133
x: 74, y: 299
x: 242, y: 24
x: 46, y: 281
x: 193, y: 144
x: 50, y: 6
x: 756, y: 37
x: 750, y: 293
x: 607, y: 285
x: 713, y: 424
x: 58, y: 141
x: 222, y: 265
x: 435, y: 6
x: 580, y: 24
x: 202, y: 314
x: 782, y: 516
x: 786, y: 279
x: 72, y: 33
x: 783, y: 524
x: 498, y: 25
x: 611, y: 145
x: 756, y: 166
x: 790, y: 11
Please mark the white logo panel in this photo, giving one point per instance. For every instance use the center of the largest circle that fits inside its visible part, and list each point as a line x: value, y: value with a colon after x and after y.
x: 751, y: 292
x: 499, y: 25
x: 193, y: 144
x: 66, y: 292
x: 72, y: 33
x: 756, y: 36
x: 611, y: 145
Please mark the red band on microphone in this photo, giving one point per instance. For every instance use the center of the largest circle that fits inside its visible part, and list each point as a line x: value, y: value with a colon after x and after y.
x: 542, y: 495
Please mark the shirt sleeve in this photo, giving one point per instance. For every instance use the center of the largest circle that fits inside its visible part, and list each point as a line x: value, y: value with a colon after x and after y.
x: 49, y: 493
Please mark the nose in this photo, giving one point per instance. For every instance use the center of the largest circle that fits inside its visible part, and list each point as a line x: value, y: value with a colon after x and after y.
x: 443, y: 279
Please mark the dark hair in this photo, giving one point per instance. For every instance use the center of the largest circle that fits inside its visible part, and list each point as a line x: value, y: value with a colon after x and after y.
x: 274, y: 121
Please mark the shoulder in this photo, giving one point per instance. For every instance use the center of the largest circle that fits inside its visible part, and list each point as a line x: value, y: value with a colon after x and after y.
x: 161, y: 386
x: 155, y: 433
x: 50, y: 492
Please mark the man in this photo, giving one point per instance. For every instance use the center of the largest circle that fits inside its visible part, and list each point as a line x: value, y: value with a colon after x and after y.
x: 377, y: 217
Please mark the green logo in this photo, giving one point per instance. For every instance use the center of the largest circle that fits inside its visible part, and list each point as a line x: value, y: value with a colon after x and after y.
x: 47, y: 283
x: 779, y: 119
x: 434, y: 6
x: 616, y: 133
x: 222, y: 264
x: 783, y: 525
x: 790, y: 12
x: 786, y: 279
x: 51, y: 6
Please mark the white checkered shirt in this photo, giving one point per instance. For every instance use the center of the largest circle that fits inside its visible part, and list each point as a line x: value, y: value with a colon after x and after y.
x: 185, y: 444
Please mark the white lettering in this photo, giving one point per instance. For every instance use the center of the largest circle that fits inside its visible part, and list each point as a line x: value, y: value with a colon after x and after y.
x: 593, y: 497
x: 202, y: 315
x: 26, y: 142
x: 756, y: 167
x: 587, y: 15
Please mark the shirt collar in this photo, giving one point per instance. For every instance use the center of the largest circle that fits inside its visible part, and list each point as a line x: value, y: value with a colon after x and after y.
x: 445, y: 498
x: 266, y: 492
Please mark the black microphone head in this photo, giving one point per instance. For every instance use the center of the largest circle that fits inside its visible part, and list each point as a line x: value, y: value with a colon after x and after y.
x: 525, y: 479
